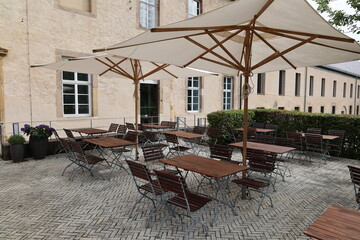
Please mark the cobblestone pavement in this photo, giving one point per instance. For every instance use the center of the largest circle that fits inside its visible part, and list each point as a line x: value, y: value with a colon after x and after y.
x: 36, y: 202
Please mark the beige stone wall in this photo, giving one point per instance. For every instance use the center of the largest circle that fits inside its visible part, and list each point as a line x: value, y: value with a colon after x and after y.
x: 41, y: 31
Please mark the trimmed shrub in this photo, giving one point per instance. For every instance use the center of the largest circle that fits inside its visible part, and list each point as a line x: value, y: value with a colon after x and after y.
x: 293, y: 121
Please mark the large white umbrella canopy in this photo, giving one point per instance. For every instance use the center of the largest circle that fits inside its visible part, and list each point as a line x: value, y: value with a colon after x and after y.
x: 247, y: 37
x: 127, y: 68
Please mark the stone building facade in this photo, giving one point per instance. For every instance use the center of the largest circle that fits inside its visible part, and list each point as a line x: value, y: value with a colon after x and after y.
x: 42, y: 31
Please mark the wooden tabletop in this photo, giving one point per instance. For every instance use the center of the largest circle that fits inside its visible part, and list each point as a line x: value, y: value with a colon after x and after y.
x: 205, y: 166
x: 186, y: 135
x: 325, y: 137
x: 155, y: 126
x: 336, y: 223
x: 265, y: 147
x: 109, y: 142
x: 259, y: 130
x: 90, y: 130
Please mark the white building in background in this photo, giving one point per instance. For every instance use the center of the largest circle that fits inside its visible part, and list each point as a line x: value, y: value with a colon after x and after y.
x: 42, y: 31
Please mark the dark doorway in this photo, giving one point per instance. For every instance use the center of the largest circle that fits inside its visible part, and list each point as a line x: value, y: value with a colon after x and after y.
x: 149, y: 103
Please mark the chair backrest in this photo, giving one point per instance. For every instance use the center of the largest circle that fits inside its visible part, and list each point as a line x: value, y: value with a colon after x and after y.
x: 313, y: 139
x: 172, y: 125
x: 339, y: 133
x: 150, y: 136
x: 164, y: 123
x: 258, y: 125
x: 251, y: 132
x: 152, y: 153
x: 171, y: 138
x: 314, y: 130
x: 287, y: 142
x: 261, y: 160
x: 271, y: 126
x: 130, y: 126
x: 355, y: 175
x: 213, y: 134
x: 77, y: 150
x: 264, y: 138
x: 297, y: 139
x: 113, y: 127
x: 172, y: 183
x: 69, y: 133
x: 139, y: 170
x: 121, y: 130
x: 131, y: 136
x: 65, y: 144
x: 221, y: 152
x: 199, y: 130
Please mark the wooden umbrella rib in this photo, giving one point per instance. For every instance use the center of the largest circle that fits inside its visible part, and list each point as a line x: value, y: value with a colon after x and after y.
x: 274, y: 49
x: 171, y: 74
x: 110, y: 68
x: 180, y: 29
x: 167, y: 39
x: 262, y: 10
x: 116, y: 65
x: 278, y: 54
x: 223, y: 48
x: 316, y: 43
x: 215, y: 46
x: 212, y: 52
x: 274, y: 30
x: 154, y: 70
x: 219, y: 63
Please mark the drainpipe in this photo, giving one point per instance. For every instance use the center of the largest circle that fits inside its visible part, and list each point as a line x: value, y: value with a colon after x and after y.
x: 355, y: 95
x: 306, y: 80
x: 28, y: 58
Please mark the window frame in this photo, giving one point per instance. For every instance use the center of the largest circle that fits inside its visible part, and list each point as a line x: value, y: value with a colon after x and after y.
x: 334, y: 88
x: 282, y: 78
x: 199, y: 8
x: 322, y: 90
x: 77, y: 83
x: 344, y: 90
x: 311, y: 86
x: 227, y: 90
x: 147, y: 4
x: 193, y: 89
x: 297, y: 84
x: 351, y: 90
x: 261, y: 83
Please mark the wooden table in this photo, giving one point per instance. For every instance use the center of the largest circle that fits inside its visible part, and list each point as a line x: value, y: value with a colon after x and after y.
x: 325, y: 137
x: 90, y: 131
x: 259, y: 130
x: 265, y: 147
x: 218, y: 170
x: 336, y: 223
x: 186, y: 135
x: 155, y: 126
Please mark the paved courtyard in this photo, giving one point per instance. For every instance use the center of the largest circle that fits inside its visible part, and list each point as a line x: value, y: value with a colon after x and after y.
x: 36, y: 202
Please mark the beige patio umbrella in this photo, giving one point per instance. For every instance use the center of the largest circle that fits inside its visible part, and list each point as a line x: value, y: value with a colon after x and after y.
x: 128, y: 68
x: 247, y: 37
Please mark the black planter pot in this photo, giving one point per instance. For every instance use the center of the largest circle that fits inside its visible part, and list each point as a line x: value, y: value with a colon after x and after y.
x: 38, y: 147
x: 17, y: 152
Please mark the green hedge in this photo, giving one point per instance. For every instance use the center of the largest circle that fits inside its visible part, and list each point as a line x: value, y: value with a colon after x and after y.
x: 294, y: 121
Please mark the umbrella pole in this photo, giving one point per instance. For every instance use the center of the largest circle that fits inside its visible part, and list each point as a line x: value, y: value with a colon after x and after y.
x: 136, y: 117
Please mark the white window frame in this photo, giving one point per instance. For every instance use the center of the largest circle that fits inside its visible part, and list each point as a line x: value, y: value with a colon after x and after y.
x: 192, y: 96
x: 149, y: 20
x: 194, y: 8
x: 227, y: 101
x: 76, y: 83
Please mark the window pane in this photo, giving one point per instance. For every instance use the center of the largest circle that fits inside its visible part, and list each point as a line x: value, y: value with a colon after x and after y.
x: 83, y: 77
x: 196, y: 83
x: 83, y: 89
x: 83, y: 109
x: 189, y: 107
x: 196, y: 107
x: 189, y: 83
x: 68, y: 76
x: 69, y: 98
x: 196, y: 100
x: 195, y: 93
x: 189, y: 100
x: 69, y: 109
x: 83, y: 99
x: 68, y: 88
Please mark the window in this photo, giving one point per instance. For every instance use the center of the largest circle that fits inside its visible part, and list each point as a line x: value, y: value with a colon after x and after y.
x: 78, y: 5
x: 297, y: 84
x: 193, y: 94
x: 261, y: 83
x: 297, y: 108
x: 334, y: 89
x: 323, y: 87
x: 322, y: 109
x: 350, y: 109
x: 282, y: 82
x: 333, y: 110
x: 358, y: 92
x: 310, y: 109
x: 351, y: 90
x: 344, y: 90
x: 357, y: 109
x: 311, y: 86
x: 148, y: 13
x: 194, y: 8
x: 281, y: 108
x: 227, y: 103
x: 76, y: 94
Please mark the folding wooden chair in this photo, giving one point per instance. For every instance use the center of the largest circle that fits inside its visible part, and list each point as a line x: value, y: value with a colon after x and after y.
x: 146, y: 186
x: 174, y: 147
x: 314, y: 130
x: 112, y: 129
x: 335, y: 146
x: 192, y: 203
x: 355, y: 179
x: 258, y: 125
x: 121, y: 131
x: 297, y: 142
x: 154, y: 153
x: 130, y: 136
x: 315, y: 144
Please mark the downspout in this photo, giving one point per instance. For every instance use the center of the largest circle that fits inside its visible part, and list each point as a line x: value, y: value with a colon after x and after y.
x: 306, y: 80
x: 355, y: 95
x: 28, y: 57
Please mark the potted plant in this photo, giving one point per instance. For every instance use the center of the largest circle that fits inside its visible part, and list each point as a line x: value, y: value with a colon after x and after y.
x: 17, y: 147
x: 38, y: 139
